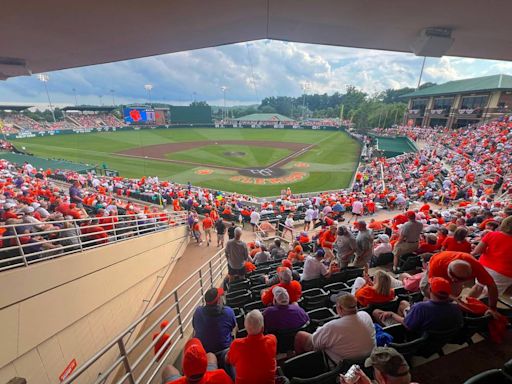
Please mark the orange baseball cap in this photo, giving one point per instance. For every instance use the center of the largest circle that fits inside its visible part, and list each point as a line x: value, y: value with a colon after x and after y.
x: 286, y: 263
x: 440, y: 287
x: 410, y: 214
x: 194, y: 359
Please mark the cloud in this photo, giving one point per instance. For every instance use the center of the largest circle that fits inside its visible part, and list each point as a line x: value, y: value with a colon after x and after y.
x: 250, y: 71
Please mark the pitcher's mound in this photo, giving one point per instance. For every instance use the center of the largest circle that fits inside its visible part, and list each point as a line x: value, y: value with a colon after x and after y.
x: 234, y: 154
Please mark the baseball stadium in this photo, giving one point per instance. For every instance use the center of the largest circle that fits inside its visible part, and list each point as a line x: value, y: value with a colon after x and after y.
x: 278, y: 192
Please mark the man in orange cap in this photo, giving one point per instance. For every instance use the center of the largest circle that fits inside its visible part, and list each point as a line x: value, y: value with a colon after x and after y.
x: 437, y: 314
x: 199, y: 367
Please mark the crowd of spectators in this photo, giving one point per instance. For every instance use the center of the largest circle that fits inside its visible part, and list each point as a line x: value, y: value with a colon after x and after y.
x: 354, y: 331
x: 39, y: 213
x: 97, y: 120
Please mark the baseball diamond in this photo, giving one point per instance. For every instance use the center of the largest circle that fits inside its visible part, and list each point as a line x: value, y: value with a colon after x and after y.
x: 251, y: 161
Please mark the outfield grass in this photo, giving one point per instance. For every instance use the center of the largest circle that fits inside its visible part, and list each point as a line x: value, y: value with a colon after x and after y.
x: 331, y: 162
x: 254, y: 156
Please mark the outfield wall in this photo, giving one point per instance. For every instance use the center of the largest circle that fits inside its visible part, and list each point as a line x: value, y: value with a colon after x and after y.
x: 29, y: 134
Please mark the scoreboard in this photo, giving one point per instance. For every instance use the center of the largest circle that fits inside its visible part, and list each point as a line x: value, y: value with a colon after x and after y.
x: 138, y: 115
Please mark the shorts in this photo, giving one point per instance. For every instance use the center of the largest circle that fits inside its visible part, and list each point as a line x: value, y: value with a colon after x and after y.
x: 236, y: 272
x: 502, y: 281
x: 209, y: 367
x: 208, y: 232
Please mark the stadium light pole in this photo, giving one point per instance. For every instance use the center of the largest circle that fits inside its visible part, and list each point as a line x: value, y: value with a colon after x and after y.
x: 305, y: 87
x: 44, y: 77
x: 112, y: 91
x: 223, y: 88
x: 74, y: 93
x: 148, y: 88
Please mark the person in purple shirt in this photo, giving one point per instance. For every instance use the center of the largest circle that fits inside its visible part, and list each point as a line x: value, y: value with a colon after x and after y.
x: 436, y: 314
x: 214, y: 323
x: 283, y: 315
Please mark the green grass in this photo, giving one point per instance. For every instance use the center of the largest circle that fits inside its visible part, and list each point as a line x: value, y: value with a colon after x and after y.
x: 332, y: 161
x: 254, y: 156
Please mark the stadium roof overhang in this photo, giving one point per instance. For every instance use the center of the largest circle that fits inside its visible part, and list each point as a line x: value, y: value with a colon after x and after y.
x: 15, y: 108
x: 57, y: 34
x: 89, y: 108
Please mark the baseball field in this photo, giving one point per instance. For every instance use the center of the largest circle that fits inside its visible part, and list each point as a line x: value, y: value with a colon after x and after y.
x: 260, y: 162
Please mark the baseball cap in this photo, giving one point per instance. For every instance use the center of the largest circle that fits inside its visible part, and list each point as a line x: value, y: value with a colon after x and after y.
x: 286, y: 263
x: 281, y: 296
x: 213, y: 295
x: 384, y: 238
x: 361, y: 224
x: 410, y: 214
x: 440, y: 287
x: 194, y: 358
x: 320, y: 253
x: 388, y: 361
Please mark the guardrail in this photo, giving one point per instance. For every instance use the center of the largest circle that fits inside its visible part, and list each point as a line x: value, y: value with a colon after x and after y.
x: 27, y: 243
x: 135, y: 362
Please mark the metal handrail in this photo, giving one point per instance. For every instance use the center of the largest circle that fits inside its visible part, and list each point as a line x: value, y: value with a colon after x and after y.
x: 27, y: 243
x: 181, y: 305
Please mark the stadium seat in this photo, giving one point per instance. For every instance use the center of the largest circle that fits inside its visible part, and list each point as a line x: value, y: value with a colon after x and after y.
x: 286, y: 338
x: 492, y: 376
x: 472, y: 326
x: 314, y: 298
x: 320, y: 316
x: 239, y: 285
x: 335, y: 288
x: 307, y: 365
x: 238, y: 298
x: 253, y: 305
x: 310, y: 284
x: 436, y: 340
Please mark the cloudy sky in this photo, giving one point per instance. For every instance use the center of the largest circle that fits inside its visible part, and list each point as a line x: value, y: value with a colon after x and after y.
x: 250, y: 71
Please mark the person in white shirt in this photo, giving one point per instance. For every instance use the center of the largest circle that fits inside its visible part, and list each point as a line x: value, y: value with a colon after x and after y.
x: 308, y: 217
x: 382, y: 246
x: 352, y: 336
x: 288, y: 226
x: 314, y: 267
x: 357, y: 209
x: 255, y: 219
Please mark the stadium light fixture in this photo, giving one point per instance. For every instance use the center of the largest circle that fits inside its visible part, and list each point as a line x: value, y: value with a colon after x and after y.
x: 44, y: 78
x: 148, y: 88
x: 223, y: 89
x: 112, y: 91
x: 76, y: 100
x: 305, y: 86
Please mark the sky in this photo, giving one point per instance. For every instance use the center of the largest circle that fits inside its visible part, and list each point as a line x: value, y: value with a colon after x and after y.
x: 250, y: 71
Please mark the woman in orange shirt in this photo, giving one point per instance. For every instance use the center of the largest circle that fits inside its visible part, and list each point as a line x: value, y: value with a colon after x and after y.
x: 369, y: 292
x: 457, y: 242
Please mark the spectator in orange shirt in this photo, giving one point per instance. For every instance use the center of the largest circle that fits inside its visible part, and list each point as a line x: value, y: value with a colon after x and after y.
x: 459, y: 268
x: 428, y: 244
x: 198, y: 367
x: 296, y: 254
x: 207, y: 228
x: 369, y: 292
x: 254, y: 356
x: 286, y: 281
x: 327, y: 241
x: 376, y: 225
x: 457, y: 242
x: 162, y: 338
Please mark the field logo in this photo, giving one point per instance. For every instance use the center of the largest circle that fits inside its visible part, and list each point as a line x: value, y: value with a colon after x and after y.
x: 265, y: 172
x: 288, y: 179
x: 203, y: 172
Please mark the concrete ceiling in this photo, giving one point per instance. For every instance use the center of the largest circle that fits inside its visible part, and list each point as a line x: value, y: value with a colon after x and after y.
x: 56, y: 34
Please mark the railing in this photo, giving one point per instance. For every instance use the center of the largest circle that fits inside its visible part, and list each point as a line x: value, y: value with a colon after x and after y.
x: 135, y: 362
x: 28, y: 243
